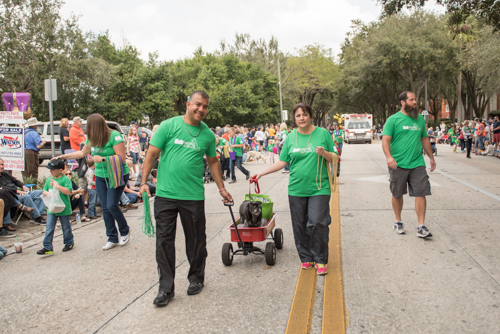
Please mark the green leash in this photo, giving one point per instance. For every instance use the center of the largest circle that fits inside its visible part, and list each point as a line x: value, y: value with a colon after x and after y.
x: 147, y: 224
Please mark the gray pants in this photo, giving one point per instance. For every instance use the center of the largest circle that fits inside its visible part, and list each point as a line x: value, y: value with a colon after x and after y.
x: 310, y: 222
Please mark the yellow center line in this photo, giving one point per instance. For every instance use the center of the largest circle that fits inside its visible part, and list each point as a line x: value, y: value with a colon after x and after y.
x: 301, y: 313
x: 302, y: 310
x: 334, y: 319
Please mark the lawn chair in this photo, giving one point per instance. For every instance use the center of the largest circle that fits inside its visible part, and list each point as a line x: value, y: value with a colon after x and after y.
x: 72, y: 163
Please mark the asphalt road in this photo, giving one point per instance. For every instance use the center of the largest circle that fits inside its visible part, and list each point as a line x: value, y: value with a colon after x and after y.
x: 392, y: 283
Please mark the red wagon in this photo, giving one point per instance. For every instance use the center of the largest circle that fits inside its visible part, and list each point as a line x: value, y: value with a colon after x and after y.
x: 246, y: 236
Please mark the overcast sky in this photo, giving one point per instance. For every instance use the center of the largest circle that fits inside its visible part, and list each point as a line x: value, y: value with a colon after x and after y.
x: 177, y: 28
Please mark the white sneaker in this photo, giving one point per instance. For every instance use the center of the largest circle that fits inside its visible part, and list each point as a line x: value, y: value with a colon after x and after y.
x: 109, y: 245
x: 125, y: 239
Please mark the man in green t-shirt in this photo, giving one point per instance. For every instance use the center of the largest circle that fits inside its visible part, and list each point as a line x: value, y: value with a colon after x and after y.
x: 236, y: 144
x: 403, y: 138
x: 182, y: 142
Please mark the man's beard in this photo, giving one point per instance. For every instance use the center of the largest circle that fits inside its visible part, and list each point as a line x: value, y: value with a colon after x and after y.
x: 412, y: 111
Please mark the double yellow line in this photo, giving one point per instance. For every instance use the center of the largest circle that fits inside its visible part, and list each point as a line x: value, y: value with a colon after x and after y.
x: 334, y: 315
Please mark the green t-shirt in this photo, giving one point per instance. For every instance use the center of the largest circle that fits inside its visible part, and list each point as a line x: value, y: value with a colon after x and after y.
x: 222, y: 142
x: 304, y: 169
x: 180, y: 171
x: 270, y: 148
x: 236, y: 141
x: 338, y: 135
x: 406, y: 142
x: 107, y: 150
x: 283, y: 135
x: 65, y: 182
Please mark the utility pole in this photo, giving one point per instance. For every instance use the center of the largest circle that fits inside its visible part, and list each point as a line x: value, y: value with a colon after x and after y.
x: 279, y: 84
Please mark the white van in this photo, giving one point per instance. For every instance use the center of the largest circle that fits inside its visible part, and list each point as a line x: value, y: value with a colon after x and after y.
x: 44, y: 131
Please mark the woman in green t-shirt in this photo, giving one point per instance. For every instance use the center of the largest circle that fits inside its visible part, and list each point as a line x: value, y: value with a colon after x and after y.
x: 102, y: 142
x: 308, y: 150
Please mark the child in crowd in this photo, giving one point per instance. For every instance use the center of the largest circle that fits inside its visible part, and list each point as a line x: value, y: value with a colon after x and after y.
x: 270, y: 151
x: 90, y: 175
x: 62, y: 183
x: 134, y: 149
x: 489, y: 148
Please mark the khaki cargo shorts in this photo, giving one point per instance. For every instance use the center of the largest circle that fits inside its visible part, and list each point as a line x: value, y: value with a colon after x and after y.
x: 415, y: 179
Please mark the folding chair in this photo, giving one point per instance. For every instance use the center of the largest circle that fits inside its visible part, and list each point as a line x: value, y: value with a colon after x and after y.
x: 29, y: 186
x: 72, y: 163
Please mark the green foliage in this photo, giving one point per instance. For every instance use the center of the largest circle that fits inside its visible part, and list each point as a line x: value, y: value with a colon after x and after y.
x: 458, y: 10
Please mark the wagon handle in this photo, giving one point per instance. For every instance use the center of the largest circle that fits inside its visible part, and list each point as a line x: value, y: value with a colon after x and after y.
x: 230, y: 204
x: 256, y: 187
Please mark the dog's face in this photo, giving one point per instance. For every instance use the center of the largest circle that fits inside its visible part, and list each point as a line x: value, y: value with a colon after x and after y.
x: 255, y: 208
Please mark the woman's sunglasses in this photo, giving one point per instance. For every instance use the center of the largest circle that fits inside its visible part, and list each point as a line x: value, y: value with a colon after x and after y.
x: 69, y: 173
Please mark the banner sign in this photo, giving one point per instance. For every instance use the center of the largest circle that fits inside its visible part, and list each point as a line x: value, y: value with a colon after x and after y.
x: 12, y: 148
x: 12, y: 117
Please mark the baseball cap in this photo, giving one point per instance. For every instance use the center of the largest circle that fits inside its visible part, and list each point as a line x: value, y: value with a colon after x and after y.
x: 77, y: 119
x: 132, y: 122
x: 56, y: 164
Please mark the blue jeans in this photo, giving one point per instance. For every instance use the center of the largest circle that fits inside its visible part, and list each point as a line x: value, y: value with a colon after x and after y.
x: 49, y: 231
x: 480, y: 142
x: 135, y: 157
x: 132, y: 198
x: 92, y: 201
x: 340, y: 147
x: 3, y: 252
x: 237, y: 161
x: 33, y: 200
x: 111, y: 212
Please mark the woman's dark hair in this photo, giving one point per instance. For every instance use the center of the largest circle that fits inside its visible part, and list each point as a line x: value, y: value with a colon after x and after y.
x: 98, y: 131
x: 304, y: 107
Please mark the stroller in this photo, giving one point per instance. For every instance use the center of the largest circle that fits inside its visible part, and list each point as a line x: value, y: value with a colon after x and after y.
x: 432, y: 140
x: 207, y: 176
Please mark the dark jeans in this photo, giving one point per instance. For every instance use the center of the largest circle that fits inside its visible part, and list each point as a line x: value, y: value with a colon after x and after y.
x: 468, y: 143
x: 80, y: 203
x: 224, y: 166
x: 310, y: 223
x: 111, y: 212
x: 237, y: 162
x: 193, y: 221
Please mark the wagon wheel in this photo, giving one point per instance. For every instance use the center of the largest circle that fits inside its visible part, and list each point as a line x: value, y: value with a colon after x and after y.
x: 278, y: 238
x: 270, y: 253
x: 227, y: 254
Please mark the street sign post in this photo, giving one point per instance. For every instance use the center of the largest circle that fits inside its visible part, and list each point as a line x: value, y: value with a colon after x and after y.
x: 51, y: 95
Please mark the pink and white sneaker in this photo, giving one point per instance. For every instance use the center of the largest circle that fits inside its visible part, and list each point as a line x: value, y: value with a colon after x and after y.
x: 307, y: 265
x: 321, y: 268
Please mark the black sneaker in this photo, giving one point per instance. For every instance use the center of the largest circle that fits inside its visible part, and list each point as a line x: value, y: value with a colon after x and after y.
x: 45, y: 251
x: 163, y: 298
x: 248, y: 176
x: 194, y: 288
x: 5, y: 234
x: 399, y: 228
x: 68, y: 247
x: 40, y: 221
x: 423, y: 232
x: 232, y: 181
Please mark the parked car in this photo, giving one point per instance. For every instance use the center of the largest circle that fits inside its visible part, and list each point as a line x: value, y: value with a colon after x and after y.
x: 44, y: 131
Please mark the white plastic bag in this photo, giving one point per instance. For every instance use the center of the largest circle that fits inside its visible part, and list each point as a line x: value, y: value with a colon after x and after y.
x: 53, y: 201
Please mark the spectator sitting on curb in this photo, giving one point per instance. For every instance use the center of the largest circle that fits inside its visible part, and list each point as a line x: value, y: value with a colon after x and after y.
x: 3, y: 232
x: 27, y: 198
x: 151, y: 181
x: 76, y: 197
